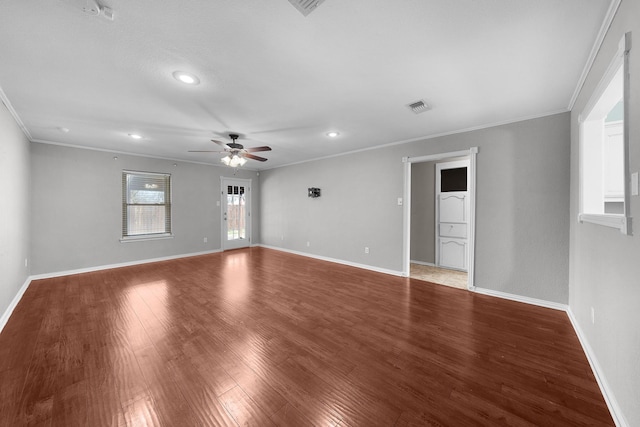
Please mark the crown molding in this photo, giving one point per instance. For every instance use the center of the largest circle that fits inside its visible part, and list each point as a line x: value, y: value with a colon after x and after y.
x: 16, y: 117
x: 430, y: 136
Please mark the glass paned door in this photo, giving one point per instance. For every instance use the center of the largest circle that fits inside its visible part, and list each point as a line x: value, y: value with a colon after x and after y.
x: 235, y: 213
x: 236, y: 208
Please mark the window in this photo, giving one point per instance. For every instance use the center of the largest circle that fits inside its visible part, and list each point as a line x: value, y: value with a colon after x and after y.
x: 146, y: 205
x: 236, y: 212
x: 454, y: 179
x: 604, y: 174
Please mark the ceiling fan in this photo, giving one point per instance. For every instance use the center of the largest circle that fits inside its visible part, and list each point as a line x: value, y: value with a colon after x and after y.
x: 237, y: 155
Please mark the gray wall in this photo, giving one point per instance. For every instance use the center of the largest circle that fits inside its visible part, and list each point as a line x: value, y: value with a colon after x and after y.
x: 77, y: 208
x: 605, y: 267
x: 358, y: 208
x: 522, y: 210
x: 14, y: 208
x: 423, y: 236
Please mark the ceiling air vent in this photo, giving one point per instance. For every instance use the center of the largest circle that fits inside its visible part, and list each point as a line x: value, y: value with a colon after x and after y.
x: 419, y: 107
x: 305, y: 7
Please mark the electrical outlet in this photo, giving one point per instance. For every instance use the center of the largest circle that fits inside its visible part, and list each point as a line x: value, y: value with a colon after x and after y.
x: 593, y: 316
x: 308, y: 244
x: 26, y: 262
x: 366, y: 249
x: 206, y: 240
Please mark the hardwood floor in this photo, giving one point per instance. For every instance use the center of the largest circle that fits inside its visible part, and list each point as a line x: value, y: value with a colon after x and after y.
x: 261, y: 337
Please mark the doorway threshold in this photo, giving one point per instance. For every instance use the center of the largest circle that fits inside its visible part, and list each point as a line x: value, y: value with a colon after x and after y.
x: 439, y: 276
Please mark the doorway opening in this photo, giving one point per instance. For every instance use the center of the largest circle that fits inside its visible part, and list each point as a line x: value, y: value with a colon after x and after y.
x: 236, y: 212
x: 439, y: 218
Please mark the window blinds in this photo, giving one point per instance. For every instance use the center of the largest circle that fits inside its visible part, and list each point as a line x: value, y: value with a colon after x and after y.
x: 146, y: 204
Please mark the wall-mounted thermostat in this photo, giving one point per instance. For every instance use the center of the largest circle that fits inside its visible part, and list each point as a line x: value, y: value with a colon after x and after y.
x: 314, y: 192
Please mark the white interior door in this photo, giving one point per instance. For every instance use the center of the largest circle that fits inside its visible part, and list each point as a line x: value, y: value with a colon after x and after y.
x: 452, y: 214
x: 236, y: 213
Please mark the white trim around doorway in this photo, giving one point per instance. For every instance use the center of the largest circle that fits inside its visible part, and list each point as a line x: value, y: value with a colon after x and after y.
x: 224, y: 244
x: 406, y: 227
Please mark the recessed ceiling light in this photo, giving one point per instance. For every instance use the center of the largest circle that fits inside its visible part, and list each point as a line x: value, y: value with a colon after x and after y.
x: 62, y: 129
x: 186, y: 78
x: 135, y: 136
x: 333, y: 134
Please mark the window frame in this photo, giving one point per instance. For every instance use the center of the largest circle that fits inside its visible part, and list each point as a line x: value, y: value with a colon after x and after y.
x: 168, y: 194
x: 622, y: 222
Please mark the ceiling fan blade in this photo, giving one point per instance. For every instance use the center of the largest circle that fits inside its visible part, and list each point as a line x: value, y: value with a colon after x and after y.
x: 255, y: 149
x: 258, y: 158
x: 205, y: 151
x: 220, y: 143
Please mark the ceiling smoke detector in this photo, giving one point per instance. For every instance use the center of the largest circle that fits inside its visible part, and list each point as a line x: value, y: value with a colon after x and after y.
x: 306, y: 6
x: 419, y: 107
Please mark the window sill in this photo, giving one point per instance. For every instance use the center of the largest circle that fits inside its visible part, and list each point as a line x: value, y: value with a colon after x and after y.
x: 619, y: 222
x: 130, y: 239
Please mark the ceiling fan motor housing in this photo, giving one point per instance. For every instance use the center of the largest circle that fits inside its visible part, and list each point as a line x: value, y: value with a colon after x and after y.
x: 233, y: 144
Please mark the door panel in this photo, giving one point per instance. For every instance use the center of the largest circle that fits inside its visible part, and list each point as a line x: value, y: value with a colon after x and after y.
x: 236, y: 226
x: 453, y: 253
x: 453, y: 230
x: 452, y: 214
x: 453, y: 207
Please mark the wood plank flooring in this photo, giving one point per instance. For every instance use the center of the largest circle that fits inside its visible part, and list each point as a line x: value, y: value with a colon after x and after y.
x: 258, y: 337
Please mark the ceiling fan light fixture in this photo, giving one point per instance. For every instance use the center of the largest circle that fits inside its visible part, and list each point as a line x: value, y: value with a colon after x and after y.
x: 237, y: 161
x: 234, y: 160
x: 333, y: 134
x: 235, y: 154
x: 186, y: 78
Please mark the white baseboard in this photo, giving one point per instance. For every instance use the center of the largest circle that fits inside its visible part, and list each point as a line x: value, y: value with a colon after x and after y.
x: 122, y: 264
x: 607, y: 393
x: 7, y: 313
x: 337, y: 261
x: 14, y: 303
x: 429, y: 264
x: 520, y: 298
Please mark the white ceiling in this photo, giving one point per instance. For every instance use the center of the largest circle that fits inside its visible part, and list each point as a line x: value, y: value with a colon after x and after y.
x: 281, y: 79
